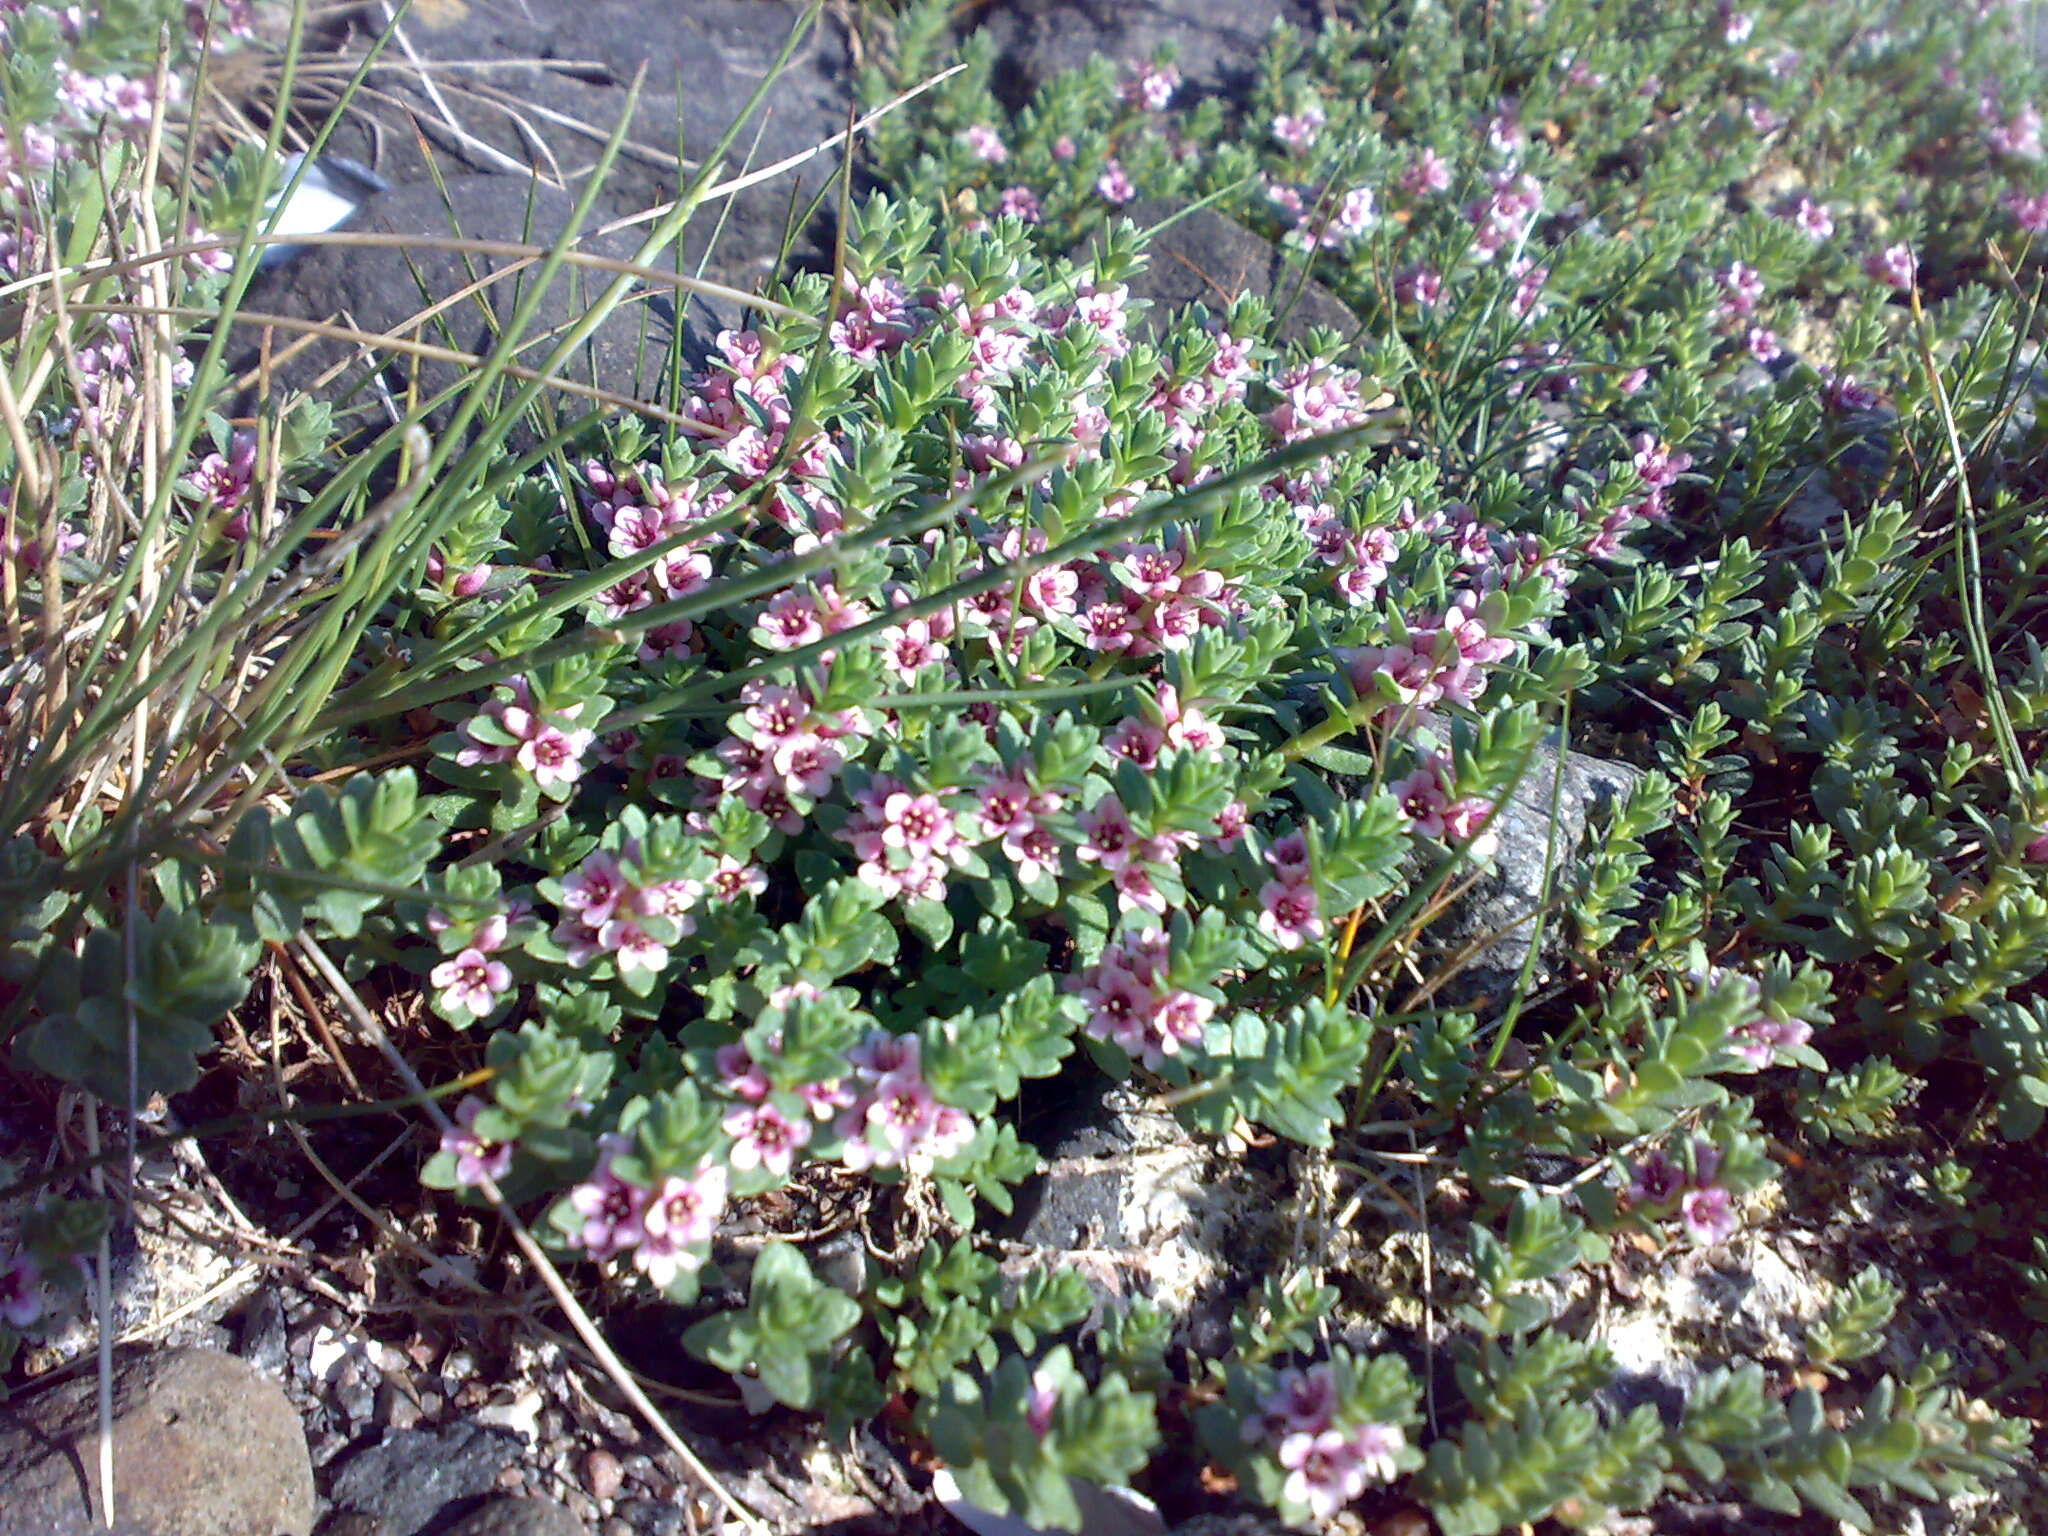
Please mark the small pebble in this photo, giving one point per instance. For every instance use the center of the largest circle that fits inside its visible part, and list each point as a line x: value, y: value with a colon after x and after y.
x: 511, y: 1479
x: 603, y: 1475
x: 395, y: 1408
x: 652, y: 1517
x: 616, y: 1527
x: 639, y: 1467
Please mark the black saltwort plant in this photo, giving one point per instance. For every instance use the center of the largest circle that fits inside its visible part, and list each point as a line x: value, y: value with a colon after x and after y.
x: 962, y: 685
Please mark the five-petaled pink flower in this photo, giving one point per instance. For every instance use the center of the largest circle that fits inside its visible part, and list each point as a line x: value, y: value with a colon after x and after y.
x: 21, y: 1292
x: 471, y: 982
x: 765, y: 1138
x: 1289, y: 914
x: 476, y: 1158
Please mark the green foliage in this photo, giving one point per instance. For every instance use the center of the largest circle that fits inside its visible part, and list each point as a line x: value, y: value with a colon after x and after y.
x: 1015, y: 1439
x: 1007, y: 690
x: 1542, y: 1240
x: 1286, y: 1073
x: 785, y: 1335
x: 1855, y: 1322
x: 148, y: 992
x: 1855, y: 1105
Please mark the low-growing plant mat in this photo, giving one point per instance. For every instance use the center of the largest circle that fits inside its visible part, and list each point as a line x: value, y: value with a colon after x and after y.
x: 1436, y: 924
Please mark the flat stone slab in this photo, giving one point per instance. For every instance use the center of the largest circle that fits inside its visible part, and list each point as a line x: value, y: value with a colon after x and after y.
x: 203, y: 1445
x: 1208, y: 258
x: 1216, y: 42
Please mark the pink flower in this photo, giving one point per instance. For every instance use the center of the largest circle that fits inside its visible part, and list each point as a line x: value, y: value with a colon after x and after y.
x: 1118, y: 1004
x: 1846, y: 392
x: 1528, y: 289
x: 1657, y: 1180
x: 910, y: 648
x: 1136, y: 739
x: 1324, y: 1471
x: 917, y: 824
x: 1428, y: 172
x: 763, y: 1137
x: 1187, y: 728
x: 1419, y: 285
x: 633, y: 947
x: 1181, y: 1018
x: 985, y: 144
x: 1708, y: 1214
x: 2030, y: 213
x: 1302, y: 1402
x: 552, y: 755
x: 1298, y: 130
x: 595, y: 889
x: 1894, y: 266
x: 610, y: 1207
x: 1021, y: 203
x: 1465, y: 821
x: 1004, y: 802
x: 915, y: 1128
x: 1107, y: 837
x: 733, y: 879
x: 1763, y: 344
x: 1423, y: 800
x: 476, y: 1159
x: 2020, y: 137
x: 2036, y: 852
x: 1759, y: 1041
x: 1290, y: 917
x: 1151, y: 86
x: 1376, y: 1446
x: 471, y: 982
x: 1741, y: 287
x: 790, y: 620
x: 1231, y: 822
x: 1658, y: 462
x: 225, y: 480
x: 686, y: 1211
x: 1355, y: 213
x: 1136, y: 891
x: 679, y: 1220
x: 1035, y: 852
x: 1114, y: 185
x: 739, y: 1074
x: 21, y: 1292
x: 1041, y: 1403
x: 1814, y: 220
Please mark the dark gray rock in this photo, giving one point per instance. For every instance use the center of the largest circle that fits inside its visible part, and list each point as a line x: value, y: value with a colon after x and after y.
x: 540, y: 83
x: 410, y: 1477
x: 133, y: 1293
x: 651, y: 1517
x: 259, y: 1330
x: 1208, y: 258
x: 1216, y: 42
x: 1236, y: 1523
x: 1086, y: 1199
x: 1135, y: 1205
x: 518, y: 1517
x: 353, y: 1522
x: 203, y: 1446
x: 1501, y: 907
x: 382, y: 290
